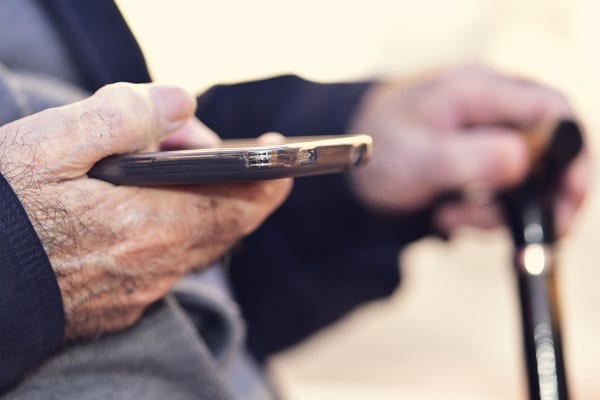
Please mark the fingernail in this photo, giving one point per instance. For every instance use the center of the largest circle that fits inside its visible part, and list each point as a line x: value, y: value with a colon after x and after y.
x: 173, y: 103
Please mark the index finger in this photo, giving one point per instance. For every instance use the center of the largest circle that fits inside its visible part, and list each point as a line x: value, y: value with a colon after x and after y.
x: 575, y: 187
x: 484, y: 97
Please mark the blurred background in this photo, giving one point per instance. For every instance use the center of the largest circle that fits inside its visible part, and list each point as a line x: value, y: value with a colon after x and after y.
x: 452, y: 330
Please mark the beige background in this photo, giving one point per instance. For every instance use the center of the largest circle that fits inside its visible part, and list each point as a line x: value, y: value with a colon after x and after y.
x: 452, y: 331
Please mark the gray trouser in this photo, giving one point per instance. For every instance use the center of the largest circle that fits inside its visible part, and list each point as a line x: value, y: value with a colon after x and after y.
x: 161, y: 357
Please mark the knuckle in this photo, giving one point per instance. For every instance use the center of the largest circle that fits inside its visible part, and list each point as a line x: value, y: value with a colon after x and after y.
x: 466, y: 81
x: 557, y: 101
x: 113, y: 111
x: 210, y: 219
x: 471, y: 71
x: 118, y: 89
x: 112, y: 102
x: 101, y: 115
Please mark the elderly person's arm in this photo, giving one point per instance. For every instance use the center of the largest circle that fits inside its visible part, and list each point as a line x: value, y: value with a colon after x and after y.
x: 335, y: 242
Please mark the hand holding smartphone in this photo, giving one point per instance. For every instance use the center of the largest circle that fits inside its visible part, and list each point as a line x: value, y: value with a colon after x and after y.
x: 237, y: 161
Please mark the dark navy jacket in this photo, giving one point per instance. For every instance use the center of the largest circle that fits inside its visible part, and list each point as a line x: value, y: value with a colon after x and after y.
x: 318, y: 257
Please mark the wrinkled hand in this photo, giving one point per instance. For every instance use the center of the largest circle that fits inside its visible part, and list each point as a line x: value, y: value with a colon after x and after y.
x: 116, y: 249
x: 455, y: 133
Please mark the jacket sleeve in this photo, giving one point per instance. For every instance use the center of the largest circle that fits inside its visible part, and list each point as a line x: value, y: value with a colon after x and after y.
x: 31, y: 308
x: 322, y: 253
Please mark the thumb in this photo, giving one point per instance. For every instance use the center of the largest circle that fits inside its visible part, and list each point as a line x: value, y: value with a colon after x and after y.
x: 193, y: 135
x: 492, y: 157
x: 66, y: 142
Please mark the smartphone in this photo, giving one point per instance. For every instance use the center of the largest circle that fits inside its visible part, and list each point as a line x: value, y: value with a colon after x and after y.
x: 237, y: 161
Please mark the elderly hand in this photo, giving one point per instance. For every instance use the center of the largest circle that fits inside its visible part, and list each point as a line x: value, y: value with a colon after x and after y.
x: 453, y: 133
x: 116, y: 249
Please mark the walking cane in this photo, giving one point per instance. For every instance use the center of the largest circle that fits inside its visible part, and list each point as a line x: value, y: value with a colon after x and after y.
x: 530, y: 213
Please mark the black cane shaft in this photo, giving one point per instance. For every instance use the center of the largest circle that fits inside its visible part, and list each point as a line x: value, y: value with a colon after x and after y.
x: 529, y: 210
x: 542, y: 337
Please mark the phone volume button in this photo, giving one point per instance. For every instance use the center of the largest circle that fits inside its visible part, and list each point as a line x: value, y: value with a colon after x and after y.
x: 259, y: 160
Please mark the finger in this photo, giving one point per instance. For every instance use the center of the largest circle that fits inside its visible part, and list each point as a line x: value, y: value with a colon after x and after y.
x: 193, y: 135
x: 452, y: 216
x: 485, y: 97
x: 575, y: 186
x: 492, y: 157
x: 271, y: 138
x: 195, y: 216
x: 118, y: 118
x: 264, y: 197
